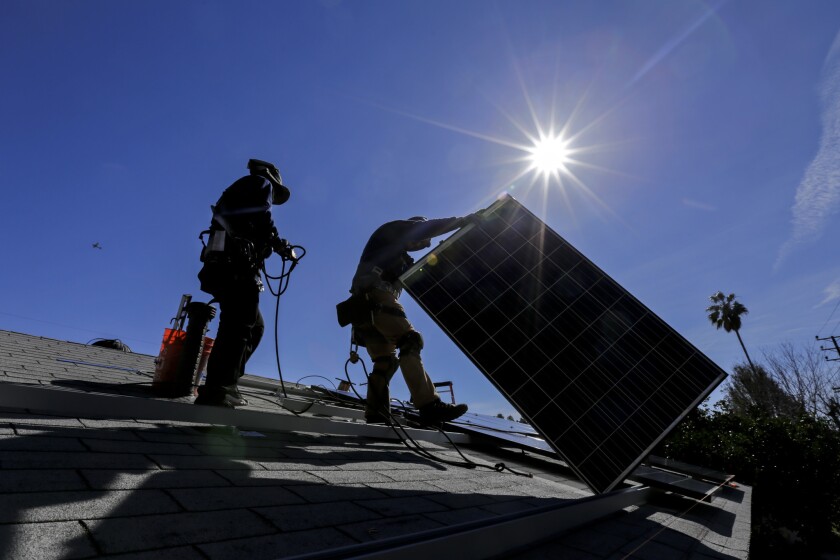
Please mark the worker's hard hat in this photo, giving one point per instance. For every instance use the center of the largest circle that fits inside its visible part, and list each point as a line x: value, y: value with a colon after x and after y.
x: 279, y: 192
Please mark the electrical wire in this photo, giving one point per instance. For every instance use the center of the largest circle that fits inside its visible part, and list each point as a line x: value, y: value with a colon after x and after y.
x: 833, y: 311
x: 467, y: 463
x: 347, y: 373
x: 113, y: 343
x: 354, y: 357
x: 282, y: 286
x: 312, y: 403
x: 327, y: 379
x: 405, y: 437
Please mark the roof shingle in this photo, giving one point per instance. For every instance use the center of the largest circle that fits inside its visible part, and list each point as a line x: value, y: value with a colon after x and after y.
x: 83, y: 487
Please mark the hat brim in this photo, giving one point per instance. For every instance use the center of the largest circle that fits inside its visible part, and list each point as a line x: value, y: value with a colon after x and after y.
x: 279, y: 194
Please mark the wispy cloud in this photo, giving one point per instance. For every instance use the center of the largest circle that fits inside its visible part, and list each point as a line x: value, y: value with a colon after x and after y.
x: 818, y: 194
x: 831, y: 292
x: 699, y: 205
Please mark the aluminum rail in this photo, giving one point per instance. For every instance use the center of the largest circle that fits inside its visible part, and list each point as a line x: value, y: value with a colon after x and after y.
x: 68, y: 402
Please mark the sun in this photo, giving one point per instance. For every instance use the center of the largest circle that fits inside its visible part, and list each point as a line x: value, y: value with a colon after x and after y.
x: 549, y: 155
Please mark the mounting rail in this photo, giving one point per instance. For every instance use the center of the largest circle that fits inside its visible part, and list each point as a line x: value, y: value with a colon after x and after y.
x: 68, y: 402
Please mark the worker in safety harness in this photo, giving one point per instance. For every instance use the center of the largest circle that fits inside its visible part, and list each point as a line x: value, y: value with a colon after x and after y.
x: 384, y: 259
x: 241, y: 236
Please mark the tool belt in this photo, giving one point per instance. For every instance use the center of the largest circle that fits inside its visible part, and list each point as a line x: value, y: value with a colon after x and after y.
x: 229, y: 262
x: 358, y: 310
x: 386, y: 286
x: 223, y: 248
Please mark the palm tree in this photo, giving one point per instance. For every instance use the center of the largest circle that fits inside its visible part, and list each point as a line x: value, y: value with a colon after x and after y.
x: 726, y: 312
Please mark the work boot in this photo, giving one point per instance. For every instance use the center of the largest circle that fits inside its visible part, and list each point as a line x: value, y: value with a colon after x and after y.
x: 378, y: 401
x: 437, y: 412
x: 233, y: 396
x: 212, y: 396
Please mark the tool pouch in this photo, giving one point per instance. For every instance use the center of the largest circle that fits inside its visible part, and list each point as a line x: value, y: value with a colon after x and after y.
x: 354, y: 310
x: 222, y: 247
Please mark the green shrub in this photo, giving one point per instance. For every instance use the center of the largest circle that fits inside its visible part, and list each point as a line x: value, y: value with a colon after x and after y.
x: 793, y: 465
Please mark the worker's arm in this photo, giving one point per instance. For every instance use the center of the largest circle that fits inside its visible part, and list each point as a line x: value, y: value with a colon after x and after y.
x: 423, y: 231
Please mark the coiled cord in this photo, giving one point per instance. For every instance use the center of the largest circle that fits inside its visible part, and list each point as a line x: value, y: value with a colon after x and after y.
x: 282, y: 286
x: 405, y: 437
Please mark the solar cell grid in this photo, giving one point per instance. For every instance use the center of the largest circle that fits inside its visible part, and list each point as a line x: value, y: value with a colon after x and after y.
x: 597, y: 374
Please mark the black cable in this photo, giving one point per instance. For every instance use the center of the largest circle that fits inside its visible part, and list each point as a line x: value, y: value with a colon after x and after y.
x: 285, y: 275
x: 298, y: 413
x: 404, y: 437
x: 347, y: 373
x: 467, y: 463
x: 412, y: 444
x: 276, y: 341
x: 273, y: 400
x: 282, y: 286
x: 319, y: 377
x: 112, y: 343
x: 833, y: 311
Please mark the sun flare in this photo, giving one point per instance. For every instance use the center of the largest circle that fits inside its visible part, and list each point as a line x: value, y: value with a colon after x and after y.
x: 548, y: 158
x: 549, y: 155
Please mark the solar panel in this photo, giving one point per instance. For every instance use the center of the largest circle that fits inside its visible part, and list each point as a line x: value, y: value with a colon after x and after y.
x: 595, y: 372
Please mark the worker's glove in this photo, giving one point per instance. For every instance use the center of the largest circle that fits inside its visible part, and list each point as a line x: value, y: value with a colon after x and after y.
x: 473, y: 218
x: 283, y: 248
x: 278, y: 245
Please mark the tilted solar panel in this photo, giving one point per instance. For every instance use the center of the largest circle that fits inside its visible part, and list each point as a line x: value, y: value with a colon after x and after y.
x: 597, y: 374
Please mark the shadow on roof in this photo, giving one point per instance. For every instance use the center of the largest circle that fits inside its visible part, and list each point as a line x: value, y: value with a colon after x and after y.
x: 84, y: 491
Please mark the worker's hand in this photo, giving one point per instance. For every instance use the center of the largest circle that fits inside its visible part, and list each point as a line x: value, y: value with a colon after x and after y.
x: 473, y: 218
x: 289, y: 254
x: 278, y: 244
x: 284, y: 249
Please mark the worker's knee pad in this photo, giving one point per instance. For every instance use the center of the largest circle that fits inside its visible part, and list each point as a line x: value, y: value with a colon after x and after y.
x: 410, y: 343
x: 385, y: 366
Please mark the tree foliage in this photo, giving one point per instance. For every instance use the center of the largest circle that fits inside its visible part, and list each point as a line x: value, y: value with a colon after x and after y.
x: 749, y: 389
x: 725, y: 312
x: 793, y: 465
x: 805, y: 375
x: 777, y: 430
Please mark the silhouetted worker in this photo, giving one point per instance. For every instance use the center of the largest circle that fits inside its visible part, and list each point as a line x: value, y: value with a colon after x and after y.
x: 383, y: 260
x: 241, y: 236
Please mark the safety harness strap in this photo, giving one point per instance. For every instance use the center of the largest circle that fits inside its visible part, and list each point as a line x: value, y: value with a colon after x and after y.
x: 389, y: 310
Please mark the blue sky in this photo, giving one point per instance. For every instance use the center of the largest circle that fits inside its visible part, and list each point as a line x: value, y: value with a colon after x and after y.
x: 705, y: 138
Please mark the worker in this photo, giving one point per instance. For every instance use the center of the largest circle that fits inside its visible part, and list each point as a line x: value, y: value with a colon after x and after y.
x: 242, y: 235
x: 384, y: 259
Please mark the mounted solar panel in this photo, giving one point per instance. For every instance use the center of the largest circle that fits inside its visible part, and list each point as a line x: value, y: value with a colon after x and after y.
x: 595, y: 372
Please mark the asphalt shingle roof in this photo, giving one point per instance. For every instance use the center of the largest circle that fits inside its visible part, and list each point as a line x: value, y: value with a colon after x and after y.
x: 87, y: 487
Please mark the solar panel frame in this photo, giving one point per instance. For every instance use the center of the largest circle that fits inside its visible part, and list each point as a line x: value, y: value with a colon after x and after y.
x: 551, y: 331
